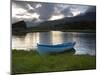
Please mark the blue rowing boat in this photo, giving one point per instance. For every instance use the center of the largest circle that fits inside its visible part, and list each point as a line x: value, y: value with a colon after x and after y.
x: 45, y: 49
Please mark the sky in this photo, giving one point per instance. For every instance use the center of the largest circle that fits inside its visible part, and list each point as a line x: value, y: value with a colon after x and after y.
x: 39, y: 12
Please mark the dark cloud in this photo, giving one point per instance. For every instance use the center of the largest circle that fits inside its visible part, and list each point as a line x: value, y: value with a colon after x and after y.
x: 47, y: 10
x: 92, y: 9
x: 20, y: 4
x: 67, y: 12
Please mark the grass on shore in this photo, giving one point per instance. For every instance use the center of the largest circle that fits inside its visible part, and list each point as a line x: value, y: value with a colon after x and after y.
x: 32, y: 62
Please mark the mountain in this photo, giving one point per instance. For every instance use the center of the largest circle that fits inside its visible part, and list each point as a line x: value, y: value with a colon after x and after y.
x: 19, y: 27
x: 20, y: 24
x: 85, y: 21
x: 31, y: 23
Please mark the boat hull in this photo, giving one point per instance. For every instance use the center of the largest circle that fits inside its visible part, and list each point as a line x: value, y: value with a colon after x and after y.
x: 45, y: 49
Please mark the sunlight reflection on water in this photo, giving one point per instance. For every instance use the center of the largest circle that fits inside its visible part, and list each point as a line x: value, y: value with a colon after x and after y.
x: 85, y: 42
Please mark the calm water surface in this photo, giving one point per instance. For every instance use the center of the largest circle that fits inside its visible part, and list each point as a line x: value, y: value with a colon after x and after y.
x: 85, y: 42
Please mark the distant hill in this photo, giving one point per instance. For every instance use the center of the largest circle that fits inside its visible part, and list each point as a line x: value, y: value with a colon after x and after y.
x: 85, y: 21
x: 20, y: 24
x: 19, y: 27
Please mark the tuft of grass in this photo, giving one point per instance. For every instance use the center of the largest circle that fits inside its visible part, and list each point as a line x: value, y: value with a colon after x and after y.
x: 31, y: 62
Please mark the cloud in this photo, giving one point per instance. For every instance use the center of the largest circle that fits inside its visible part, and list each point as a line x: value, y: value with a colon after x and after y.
x: 92, y: 9
x: 23, y: 11
x: 35, y: 11
x: 46, y: 11
x: 55, y: 17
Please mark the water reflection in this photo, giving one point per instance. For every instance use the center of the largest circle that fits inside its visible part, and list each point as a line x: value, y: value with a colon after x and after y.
x: 57, y: 37
x: 85, y: 42
x: 68, y: 36
x: 45, y: 37
x: 27, y: 42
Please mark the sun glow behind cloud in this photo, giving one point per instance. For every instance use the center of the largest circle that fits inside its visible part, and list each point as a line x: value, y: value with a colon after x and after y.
x: 56, y: 17
x: 76, y: 13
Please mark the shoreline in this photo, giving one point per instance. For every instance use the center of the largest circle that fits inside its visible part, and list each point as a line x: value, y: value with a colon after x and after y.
x: 33, y: 31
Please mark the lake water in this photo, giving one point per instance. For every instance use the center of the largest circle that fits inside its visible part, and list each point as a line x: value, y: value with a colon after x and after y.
x: 85, y: 42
